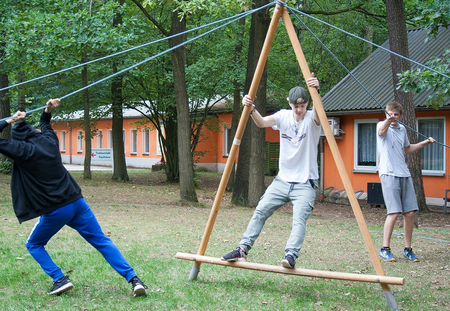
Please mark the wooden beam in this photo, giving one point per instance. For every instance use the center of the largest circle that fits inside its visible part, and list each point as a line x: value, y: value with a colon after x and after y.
x: 301, y: 272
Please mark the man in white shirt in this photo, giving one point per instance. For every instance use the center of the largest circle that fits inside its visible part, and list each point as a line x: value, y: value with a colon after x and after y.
x: 396, y: 182
x: 298, y: 172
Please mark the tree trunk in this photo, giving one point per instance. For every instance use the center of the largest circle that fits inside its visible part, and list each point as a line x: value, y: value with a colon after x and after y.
x: 87, y: 121
x: 398, y: 41
x: 236, y: 100
x: 187, y: 186
x: 120, y: 167
x: 242, y: 180
x: 258, y: 142
x: 5, y: 104
x: 170, y: 146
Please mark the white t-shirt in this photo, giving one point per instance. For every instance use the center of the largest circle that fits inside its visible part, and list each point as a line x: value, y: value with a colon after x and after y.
x: 391, y: 148
x: 298, y: 146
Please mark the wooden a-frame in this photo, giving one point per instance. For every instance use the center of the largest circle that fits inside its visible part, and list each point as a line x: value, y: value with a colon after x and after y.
x: 281, y: 11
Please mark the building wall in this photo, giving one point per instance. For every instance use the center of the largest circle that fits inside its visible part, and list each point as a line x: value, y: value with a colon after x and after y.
x: 210, y: 150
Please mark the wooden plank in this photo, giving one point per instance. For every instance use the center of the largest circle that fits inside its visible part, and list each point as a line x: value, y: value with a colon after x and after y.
x: 300, y: 272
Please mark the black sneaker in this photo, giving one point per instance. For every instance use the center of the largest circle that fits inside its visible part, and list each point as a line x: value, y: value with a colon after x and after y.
x: 288, y: 262
x: 138, y: 287
x: 61, y: 286
x: 235, y: 255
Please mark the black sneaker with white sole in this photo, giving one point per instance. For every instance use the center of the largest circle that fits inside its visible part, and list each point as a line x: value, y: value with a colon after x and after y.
x: 288, y: 262
x: 61, y: 286
x: 138, y: 287
x: 235, y: 255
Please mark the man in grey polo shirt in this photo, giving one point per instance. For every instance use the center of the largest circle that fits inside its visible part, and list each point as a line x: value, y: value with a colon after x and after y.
x: 397, y: 186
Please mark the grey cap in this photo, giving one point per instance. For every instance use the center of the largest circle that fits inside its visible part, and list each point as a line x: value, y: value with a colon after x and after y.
x: 297, y: 93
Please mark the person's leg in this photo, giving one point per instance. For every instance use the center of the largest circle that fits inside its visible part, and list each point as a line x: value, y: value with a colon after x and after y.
x: 45, y: 228
x: 389, y: 228
x: 408, y: 226
x: 409, y: 207
x: 88, y: 227
x: 392, y: 194
x: 302, y: 197
x: 275, y: 196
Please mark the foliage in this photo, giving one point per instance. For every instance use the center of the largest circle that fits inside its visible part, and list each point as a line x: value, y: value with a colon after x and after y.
x: 433, y: 14
x: 5, y: 166
x: 423, y: 79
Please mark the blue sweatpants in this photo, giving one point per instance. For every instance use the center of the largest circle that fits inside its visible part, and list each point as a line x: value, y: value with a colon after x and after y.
x: 79, y: 216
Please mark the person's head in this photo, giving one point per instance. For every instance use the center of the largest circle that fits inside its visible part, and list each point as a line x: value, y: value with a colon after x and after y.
x: 22, y: 130
x: 298, y: 99
x: 394, y: 109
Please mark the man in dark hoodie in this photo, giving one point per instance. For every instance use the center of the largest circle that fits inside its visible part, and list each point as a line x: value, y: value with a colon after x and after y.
x: 42, y: 187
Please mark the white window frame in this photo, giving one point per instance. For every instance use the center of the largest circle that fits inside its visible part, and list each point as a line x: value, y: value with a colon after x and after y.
x: 363, y: 168
x: 226, y: 138
x: 62, y: 143
x: 100, y: 139
x: 133, y: 141
x: 80, y: 141
x: 420, y: 138
x: 146, y: 141
x: 110, y: 139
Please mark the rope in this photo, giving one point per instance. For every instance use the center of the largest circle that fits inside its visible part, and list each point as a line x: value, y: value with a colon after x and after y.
x: 367, y: 41
x: 240, y: 15
x: 233, y: 19
x: 356, y: 79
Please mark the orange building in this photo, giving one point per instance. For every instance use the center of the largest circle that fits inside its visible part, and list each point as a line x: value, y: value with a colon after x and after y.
x: 141, y: 142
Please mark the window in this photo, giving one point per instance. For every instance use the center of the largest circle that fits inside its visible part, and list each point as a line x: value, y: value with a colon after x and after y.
x: 110, y: 139
x: 226, y: 140
x: 145, y: 141
x: 133, y: 141
x: 100, y: 139
x: 432, y: 156
x: 79, y: 141
x: 366, y: 156
x: 62, y: 143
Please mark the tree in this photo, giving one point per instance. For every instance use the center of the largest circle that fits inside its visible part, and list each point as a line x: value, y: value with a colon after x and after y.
x: 5, y: 107
x: 398, y: 42
x: 433, y: 15
x: 258, y: 141
x: 120, y: 168
x: 249, y: 181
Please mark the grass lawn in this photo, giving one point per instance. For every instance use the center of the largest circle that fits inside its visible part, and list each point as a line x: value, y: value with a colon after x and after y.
x: 149, y: 225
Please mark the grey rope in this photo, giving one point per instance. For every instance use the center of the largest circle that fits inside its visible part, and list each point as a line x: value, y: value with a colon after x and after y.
x: 235, y: 18
x: 238, y: 16
x: 356, y: 79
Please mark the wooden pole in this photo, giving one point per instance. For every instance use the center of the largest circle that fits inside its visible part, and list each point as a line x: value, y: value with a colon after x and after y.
x: 318, y: 106
x: 237, y: 139
x: 301, y: 272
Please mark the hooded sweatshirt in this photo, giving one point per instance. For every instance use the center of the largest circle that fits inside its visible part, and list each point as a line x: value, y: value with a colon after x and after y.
x: 39, y: 181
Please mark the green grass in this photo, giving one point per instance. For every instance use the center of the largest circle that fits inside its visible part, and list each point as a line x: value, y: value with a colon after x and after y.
x: 147, y: 223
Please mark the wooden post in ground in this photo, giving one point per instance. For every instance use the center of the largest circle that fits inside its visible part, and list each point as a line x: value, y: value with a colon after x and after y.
x: 237, y: 139
x: 318, y: 106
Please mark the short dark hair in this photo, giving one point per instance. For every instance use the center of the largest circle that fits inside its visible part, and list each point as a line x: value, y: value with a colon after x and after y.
x: 395, y: 106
